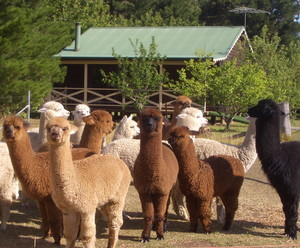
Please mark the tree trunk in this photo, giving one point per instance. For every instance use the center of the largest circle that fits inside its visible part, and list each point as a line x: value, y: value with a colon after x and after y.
x: 285, y: 123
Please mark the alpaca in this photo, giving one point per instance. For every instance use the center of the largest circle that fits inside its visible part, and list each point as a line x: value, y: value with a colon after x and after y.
x: 81, y: 110
x: 128, y: 150
x: 201, y: 180
x: 9, y: 187
x: 180, y: 103
x: 97, y: 125
x: 32, y: 171
x: 246, y: 152
x: 49, y: 110
x: 79, y: 187
x: 127, y: 129
x: 154, y: 174
x: 192, y: 118
x: 280, y: 161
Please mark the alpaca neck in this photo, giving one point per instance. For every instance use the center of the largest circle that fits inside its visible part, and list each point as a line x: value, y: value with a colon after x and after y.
x: 249, y: 141
x: 176, y: 112
x: 267, y: 138
x: 92, y: 140
x: 62, y: 170
x: 151, y: 145
x: 188, y: 164
x: 77, y: 136
x: 22, y: 157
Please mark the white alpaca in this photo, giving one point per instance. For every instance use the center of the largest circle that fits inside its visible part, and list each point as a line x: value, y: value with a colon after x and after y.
x: 9, y: 187
x: 49, y: 110
x: 79, y: 187
x: 127, y: 129
x: 81, y: 110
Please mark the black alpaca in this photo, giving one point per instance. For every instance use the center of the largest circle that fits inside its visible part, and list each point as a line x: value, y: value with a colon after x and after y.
x: 280, y: 161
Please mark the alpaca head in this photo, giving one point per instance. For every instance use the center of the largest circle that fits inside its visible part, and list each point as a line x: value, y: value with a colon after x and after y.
x: 127, y: 128
x: 266, y: 109
x: 14, y: 128
x: 100, y: 120
x: 150, y: 121
x: 58, y: 131
x: 81, y: 110
x: 181, y: 103
x: 192, y: 118
x: 55, y: 106
x: 179, y: 137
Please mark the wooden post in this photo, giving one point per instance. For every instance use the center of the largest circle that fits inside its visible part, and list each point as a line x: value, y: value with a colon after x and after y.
x: 85, y: 83
x: 285, y: 123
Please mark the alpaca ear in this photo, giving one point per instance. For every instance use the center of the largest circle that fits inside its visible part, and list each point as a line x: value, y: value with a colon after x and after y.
x: 89, y: 120
x: 130, y: 117
x: 123, y: 120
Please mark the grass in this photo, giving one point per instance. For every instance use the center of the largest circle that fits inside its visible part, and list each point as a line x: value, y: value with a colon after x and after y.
x: 259, y: 220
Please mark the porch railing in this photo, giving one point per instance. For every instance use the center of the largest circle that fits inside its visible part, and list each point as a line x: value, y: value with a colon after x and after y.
x: 109, y: 98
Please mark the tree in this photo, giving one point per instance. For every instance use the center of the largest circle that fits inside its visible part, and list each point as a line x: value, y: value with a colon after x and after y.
x: 236, y: 87
x: 136, y: 78
x: 28, y: 39
x: 281, y: 21
x: 281, y: 64
x: 195, y: 78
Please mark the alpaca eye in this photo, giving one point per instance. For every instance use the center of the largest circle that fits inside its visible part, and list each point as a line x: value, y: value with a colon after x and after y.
x: 65, y: 129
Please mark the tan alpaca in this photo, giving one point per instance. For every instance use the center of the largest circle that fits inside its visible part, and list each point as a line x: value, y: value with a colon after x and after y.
x: 154, y: 174
x: 97, y: 125
x: 32, y: 170
x: 79, y: 187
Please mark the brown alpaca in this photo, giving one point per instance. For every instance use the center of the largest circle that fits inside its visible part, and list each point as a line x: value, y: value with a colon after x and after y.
x: 97, y: 125
x: 180, y: 103
x: 201, y: 180
x: 32, y: 170
x: 79, y: 187
x: 155, y: 173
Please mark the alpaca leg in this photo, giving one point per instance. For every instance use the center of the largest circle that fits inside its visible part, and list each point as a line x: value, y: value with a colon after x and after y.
x: 54, y: 216
x: 88, y: 229
x: 148, y: 212
x: 204, y: 213
x: 160, y: 209
x: 230, y: 200
x: 191, y: 203
x: 45, y: 223
x: 5, y: 211
x: 220, y: 210
x: 71, y: 228
x: 115, y: 221
x: 178, y: 202
x: 290, y: 209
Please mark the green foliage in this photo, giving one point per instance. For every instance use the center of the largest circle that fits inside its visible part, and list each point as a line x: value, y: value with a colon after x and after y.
x: 195, y: 78
x: 281, y: 64
x: 236, y: 87
x: 28, y: 40
x: 136, y: 78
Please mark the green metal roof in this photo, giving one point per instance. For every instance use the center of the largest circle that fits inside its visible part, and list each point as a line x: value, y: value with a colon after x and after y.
x: 177, y: 43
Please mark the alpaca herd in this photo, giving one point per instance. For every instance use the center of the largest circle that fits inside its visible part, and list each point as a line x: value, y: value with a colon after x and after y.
x: 72, y: 174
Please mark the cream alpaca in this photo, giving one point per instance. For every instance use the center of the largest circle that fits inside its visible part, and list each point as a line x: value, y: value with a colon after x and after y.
x: 81, y: 110
x: 79, y: 187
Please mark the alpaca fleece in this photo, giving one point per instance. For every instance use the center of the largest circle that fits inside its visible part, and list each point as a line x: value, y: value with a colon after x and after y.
x: 280, y: 161
x: 201, y: 180
x: 32, y: 171
x: 79, y: 187
x: 154, y: 174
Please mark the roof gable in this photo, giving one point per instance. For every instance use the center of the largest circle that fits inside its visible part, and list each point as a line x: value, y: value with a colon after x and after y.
x: 173, y: 42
